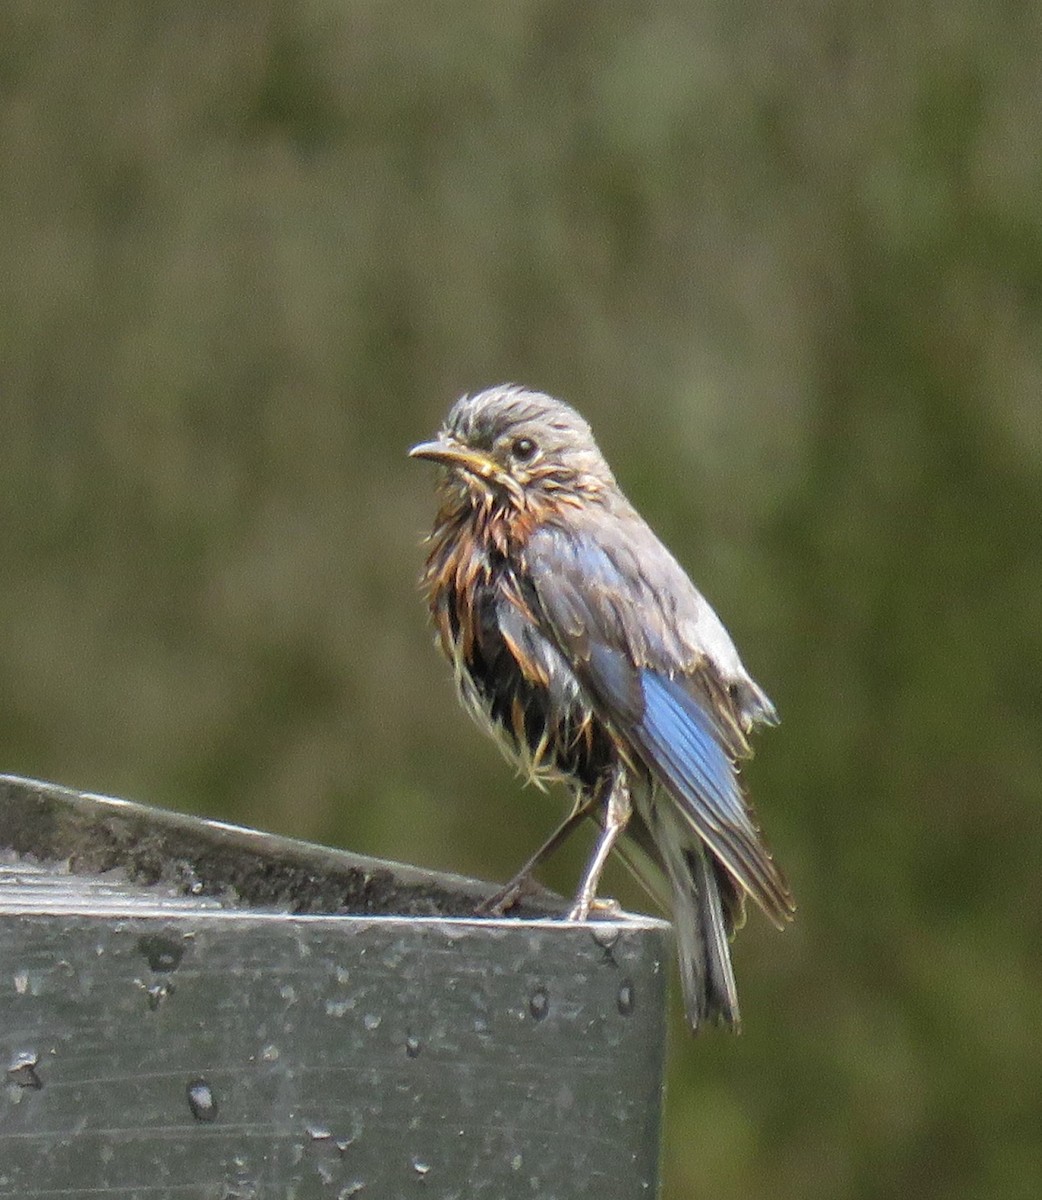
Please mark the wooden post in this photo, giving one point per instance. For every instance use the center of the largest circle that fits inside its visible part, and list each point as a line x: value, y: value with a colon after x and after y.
x: 194, y: 1010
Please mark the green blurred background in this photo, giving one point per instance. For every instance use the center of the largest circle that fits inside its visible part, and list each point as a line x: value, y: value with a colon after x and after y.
x: 787, y: 258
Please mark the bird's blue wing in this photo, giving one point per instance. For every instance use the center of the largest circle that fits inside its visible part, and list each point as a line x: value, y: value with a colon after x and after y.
x: 679, y: 742
x: 667, y: 711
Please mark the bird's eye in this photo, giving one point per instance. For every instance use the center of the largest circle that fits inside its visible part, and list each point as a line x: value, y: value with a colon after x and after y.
x: 522, y: 449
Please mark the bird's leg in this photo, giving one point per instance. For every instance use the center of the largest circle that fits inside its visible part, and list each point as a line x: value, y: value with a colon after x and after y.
x: 616, y: 818
x: 509, y: 894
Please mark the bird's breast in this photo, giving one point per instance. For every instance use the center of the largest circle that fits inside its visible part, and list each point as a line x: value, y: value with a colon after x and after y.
x: 510, y: 674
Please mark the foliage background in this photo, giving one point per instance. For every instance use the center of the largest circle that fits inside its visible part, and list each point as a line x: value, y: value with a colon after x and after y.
x: 787, y: 258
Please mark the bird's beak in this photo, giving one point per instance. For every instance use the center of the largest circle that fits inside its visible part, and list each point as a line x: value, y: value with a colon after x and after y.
x: 452, y: 454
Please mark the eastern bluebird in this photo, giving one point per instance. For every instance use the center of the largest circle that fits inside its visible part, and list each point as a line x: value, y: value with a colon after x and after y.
x: 579, y: 642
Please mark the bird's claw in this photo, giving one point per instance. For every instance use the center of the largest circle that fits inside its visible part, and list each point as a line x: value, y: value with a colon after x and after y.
x: 506, y: 898
x: 595, y: 908
x: 497, y: 905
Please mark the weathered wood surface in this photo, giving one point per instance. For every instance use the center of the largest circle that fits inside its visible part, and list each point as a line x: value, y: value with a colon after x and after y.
x: 168, y: 1027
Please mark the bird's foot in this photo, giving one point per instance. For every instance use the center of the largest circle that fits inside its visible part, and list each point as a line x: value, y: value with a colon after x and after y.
x: 507, y: 897
x: 595, y: 908
x: 616, y: 816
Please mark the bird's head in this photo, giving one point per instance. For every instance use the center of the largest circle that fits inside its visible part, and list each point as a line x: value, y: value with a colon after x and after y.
x: 523, y: 449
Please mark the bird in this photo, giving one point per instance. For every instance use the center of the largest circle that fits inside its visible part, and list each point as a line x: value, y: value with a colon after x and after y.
x: 578, y: 641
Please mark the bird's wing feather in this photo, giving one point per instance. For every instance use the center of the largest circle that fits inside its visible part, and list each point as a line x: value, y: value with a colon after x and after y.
x: 678, y: 741
x: 663, y: 697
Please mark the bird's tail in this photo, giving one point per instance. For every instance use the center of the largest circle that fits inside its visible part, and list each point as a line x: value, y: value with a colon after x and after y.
x: 705, y: 909
x: 703, y: 925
